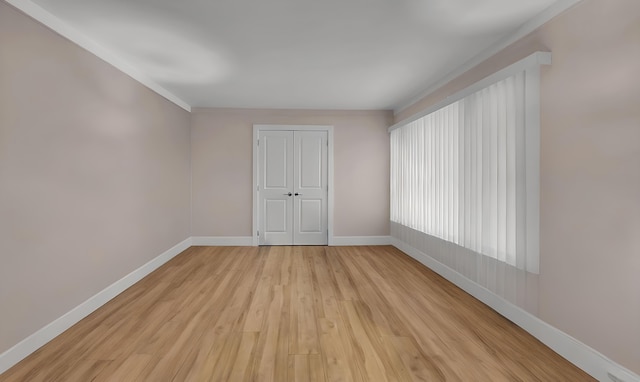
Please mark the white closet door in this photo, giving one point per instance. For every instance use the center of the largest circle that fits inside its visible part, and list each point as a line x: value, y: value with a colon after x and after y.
x: 293, y: 188
x: 276, y: 186
x: 310, y: 188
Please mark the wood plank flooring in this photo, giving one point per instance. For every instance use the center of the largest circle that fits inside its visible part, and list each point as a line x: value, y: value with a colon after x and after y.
x: 294, y: 314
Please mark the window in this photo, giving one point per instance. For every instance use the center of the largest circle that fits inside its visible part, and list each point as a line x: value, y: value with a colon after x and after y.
x: 467, y: 172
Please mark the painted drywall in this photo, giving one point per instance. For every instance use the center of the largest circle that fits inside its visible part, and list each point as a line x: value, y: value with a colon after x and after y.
x: 94, y: 175
x: 221, y: 156
x: 589, y: 283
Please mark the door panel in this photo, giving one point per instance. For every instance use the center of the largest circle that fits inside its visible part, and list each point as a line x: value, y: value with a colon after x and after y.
x: 275, y: 182
x: 310, y: 192
x: 310, y: 169
x: 277, y: 163
x: 292, y: 187
x: 276, y: 215
x: 310, y: 215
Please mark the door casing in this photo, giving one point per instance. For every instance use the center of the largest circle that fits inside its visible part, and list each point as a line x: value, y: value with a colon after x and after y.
x: 256, y: 134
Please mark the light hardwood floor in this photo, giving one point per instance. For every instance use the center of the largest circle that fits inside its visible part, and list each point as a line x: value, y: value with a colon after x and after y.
x: 294, y: 314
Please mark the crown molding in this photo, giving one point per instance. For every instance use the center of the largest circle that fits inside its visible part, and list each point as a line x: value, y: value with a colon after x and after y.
x: 533, y: 60
x: 528, y: 27
x: 67, y: 31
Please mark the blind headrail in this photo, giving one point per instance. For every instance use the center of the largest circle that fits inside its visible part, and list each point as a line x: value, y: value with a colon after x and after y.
x: 533, y: 60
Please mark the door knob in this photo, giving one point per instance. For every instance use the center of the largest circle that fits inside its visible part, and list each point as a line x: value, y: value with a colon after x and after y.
x: 296, y: 194
x: 289, y: 194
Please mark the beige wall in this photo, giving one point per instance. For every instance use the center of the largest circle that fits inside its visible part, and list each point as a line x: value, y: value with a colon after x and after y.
x: 94, y: 175
x: 221, y: 146
x: 590, y: 172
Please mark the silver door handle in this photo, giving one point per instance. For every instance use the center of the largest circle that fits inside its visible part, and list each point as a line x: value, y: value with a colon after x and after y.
x: 289, y: 194
x: 297, y: 193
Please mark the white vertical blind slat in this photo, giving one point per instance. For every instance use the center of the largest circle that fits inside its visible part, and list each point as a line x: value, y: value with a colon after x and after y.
x: 458, y: 173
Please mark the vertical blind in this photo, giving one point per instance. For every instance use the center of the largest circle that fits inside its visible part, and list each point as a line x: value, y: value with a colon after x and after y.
x: 459, y: 173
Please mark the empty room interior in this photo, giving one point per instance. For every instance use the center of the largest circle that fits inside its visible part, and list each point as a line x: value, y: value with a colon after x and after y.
x: 294, y: 190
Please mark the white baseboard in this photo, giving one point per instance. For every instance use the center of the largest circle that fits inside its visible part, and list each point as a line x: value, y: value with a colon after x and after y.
x: 248, y: 240
x: 581, y: 355
x: 361, y: 240
x: 240, y: 241
x: 591, y: 361
x: 32, y: 343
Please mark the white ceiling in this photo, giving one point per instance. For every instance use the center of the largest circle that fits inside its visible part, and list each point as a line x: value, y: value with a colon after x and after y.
x: 315, y: 54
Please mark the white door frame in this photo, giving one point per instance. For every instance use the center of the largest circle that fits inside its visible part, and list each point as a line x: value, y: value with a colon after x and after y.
x: 256, y: 135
